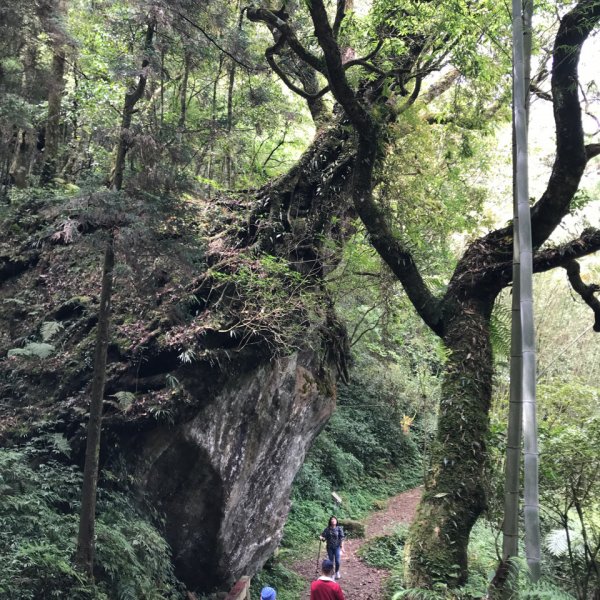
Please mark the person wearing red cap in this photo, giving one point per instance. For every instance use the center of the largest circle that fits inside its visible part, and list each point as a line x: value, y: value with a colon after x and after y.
x: 326, y: 588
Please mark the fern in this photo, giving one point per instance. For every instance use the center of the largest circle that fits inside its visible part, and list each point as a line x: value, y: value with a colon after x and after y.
x: 33, y: 350
x: 59, y: 444
x: 500, y: 330
x: 38, y: 519
x: 543, y: 591
x: 125, y: 400
x: 187, y: 357
x: 172, y: 381
x: 49, y: 329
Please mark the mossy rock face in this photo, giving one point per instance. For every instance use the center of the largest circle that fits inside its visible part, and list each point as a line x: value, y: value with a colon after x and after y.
x: 352, y: 528
x: 215, y: 424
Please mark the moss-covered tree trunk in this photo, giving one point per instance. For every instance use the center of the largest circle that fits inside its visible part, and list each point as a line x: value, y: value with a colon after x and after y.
x: 454, y: 496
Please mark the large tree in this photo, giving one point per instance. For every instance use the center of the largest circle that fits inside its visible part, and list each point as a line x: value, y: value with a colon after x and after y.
x: 407, y: 48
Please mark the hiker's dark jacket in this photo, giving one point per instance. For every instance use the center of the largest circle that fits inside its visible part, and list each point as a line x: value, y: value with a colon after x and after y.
x: 334, y: 536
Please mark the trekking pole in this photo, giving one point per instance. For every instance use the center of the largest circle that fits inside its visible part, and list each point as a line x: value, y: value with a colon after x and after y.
x: 318, y: 558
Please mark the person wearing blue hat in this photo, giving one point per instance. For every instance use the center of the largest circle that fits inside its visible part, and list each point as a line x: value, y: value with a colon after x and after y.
x: 268, y: 593
x: 326, y: 588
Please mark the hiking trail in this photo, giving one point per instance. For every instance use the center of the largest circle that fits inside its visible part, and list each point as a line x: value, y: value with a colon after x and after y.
x: 359, y: 581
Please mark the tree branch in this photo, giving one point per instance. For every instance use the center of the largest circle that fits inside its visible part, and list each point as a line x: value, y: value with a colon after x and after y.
x: 540, y: 93
x: 592, y: 150
x: 565, y: 256
x: 587, y: 292
x: 571, y: 155
x: 440, y: 86
x: 215, y: 43
x: 336, y: 76
x: 276, y: 21
x: 340, y: 13
x: 381, y: 234
x: 270, y: 56
x: 561, y: 256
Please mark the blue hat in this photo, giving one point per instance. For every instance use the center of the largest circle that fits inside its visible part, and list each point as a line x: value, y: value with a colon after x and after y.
x: 268, y: 593
x: 327, y: 566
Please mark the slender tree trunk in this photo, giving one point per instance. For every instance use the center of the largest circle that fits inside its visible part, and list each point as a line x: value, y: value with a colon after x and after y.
x: 230, y: 88
x: 228, y: 158
x: 19, y: 168
x: 84, y: 557
x: 454, y: 496
x: 187, y: 61
x: 24, y: 146
x: 85, y: 542
x: 131, y: 99
x: 73, y: 157
x: 55, y: 94
x: 522, y: 378
x: 162, y: 87
x: 209, y: 168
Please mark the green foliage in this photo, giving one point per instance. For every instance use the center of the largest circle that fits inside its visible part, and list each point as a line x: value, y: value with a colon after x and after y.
x: 268, y: 299
x: 483, y: 560
x: 49, y: 329
x: 385, y: 552
x: 306, y: 520
x: 125, y: 400
x: 289, y: 585
x: 39, y: 505
x: 543, y: 591
x: 33, y: 350
x: 500, y: 331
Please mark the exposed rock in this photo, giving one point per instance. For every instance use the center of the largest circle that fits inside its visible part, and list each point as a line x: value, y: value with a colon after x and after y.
x: 223, y: 478
x: 218, y: 379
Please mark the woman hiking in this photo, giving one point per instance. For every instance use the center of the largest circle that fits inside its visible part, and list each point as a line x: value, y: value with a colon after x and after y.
x: 333, y: 535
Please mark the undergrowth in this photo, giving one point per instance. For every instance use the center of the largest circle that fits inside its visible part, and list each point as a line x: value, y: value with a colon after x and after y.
x: 39, y: 508
x: 364, y: 454
x: 386, y: 551
x: 483, y: 560
x: 288, y: 584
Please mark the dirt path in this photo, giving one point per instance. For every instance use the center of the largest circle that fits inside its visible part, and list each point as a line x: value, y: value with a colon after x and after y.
x: 359, y: 581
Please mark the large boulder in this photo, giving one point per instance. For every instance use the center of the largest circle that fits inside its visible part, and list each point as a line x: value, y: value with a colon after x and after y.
x: 223, y: 477
x: 221, y: 369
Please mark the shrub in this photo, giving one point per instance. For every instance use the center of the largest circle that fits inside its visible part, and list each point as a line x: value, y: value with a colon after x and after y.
x: 289, y: 585
x: 386, y: 551
x: 39, y: 507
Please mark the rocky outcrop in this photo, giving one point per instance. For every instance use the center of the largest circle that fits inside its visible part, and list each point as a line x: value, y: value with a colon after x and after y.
x: 218, y: 378
x: 223, y: 477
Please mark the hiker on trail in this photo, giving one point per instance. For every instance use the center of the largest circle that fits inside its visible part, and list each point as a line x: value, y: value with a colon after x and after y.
x: 326, y: 588
x: 333, y: 534
x: 268, y: 593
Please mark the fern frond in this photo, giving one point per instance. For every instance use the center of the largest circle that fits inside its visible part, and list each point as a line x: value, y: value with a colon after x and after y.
x: 125, y: 399
x: 543, y: 591
x: 557, y: 543
x: 49, y: 329
x: 187, y: 357
x: 33, y: 349
x: 500, y: 330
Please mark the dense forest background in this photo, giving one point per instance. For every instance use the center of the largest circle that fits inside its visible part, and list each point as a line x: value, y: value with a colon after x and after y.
x: 277, y: 181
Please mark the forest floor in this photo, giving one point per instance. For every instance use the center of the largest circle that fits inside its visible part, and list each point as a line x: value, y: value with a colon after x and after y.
x: 359, y: 581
